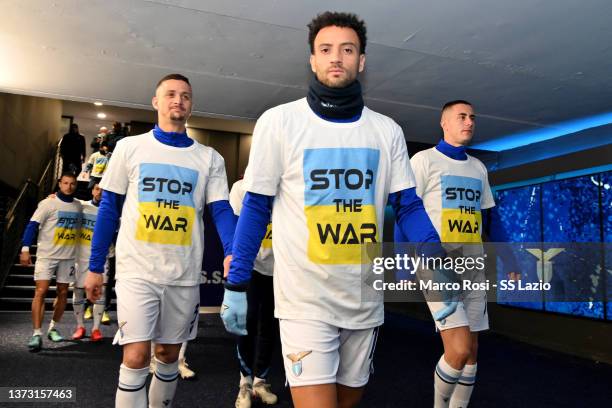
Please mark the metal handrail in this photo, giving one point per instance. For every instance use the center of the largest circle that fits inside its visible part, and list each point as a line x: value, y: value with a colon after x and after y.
x: 10, y: 215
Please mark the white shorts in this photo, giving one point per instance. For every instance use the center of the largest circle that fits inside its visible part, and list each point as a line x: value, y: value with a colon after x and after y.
x: 471, y: 311
x: 318, y: 353
x: 62, y: 268
x: 82, y: 267
x: 162, y: 313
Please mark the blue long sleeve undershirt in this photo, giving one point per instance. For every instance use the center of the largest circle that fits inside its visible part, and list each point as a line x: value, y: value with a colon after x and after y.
x: 225, y: 221
x: 30, y: 233
x: 412, y: 224
x: 107, y: 222
x: 250, y: 230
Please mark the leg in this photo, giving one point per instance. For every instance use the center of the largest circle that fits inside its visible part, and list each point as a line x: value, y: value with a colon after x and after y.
x: 184, y: 370
x: 61, y: 300
x: 322, y: 395
x: 178, y: 322
x: 265, y: 338
x: 349, y: 396
x: 457, y: 346
x: 38, y: 303
x: 138, y: 303
x: 133, y: 376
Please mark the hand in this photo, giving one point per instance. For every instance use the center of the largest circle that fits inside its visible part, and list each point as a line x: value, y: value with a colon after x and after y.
x: 25, y: 259
x: 449, y: 297
x: 514, y: 276
x: 93, y: 285
x: 233, y: 312
x: 226, y: 265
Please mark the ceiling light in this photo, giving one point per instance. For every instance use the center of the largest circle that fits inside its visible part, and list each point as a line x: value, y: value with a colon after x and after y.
x: 102, y: 115
x: 98, y: 103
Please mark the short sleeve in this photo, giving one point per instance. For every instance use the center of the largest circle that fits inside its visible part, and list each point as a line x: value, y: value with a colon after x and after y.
x: 487, y: 195
x: 236, y: 196
x: 265, y: 160
x: 216, y: 185
x: 116, y: 176
x: 419, y: 167
x: 42, y: 211
x: 402, y: 177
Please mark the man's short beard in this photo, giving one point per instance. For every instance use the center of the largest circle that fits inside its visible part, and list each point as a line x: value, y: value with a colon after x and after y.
x: 178, y: 117
x: 343, y: 83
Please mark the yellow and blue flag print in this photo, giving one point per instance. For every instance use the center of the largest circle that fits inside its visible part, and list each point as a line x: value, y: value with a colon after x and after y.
x: 166, y: 204
x: 66, y: 228
x: 461, y: 213
x: 88, y: 222
x: 339, y: 201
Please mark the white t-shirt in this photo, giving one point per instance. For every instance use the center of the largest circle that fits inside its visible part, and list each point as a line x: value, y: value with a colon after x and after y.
x: 99, y: 162
x: 161, y: 238
x: 88, y: 222
x: 59, y: 227
x: 331, y: 182
x: 456, y: 214
x: 264, y: 262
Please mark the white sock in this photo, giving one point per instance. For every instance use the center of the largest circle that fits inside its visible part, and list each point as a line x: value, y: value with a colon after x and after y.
x: 131, y: 392
x: 78, y: 302
x: 445, y: 379
x: 97, y: 315
x: 182, y: 351
x: 163, y: 385
x: 51, y: 325
x: 37, y: 332
x: 245, y: 379
x: 463, y: 389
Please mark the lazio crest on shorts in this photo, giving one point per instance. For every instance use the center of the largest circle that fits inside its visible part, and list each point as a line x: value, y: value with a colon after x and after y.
x: 461, y: 213
x: 166, y: 205
x: 339, y: 202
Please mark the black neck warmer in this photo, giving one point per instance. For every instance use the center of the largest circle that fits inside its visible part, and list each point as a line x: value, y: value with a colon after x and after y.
x: 335, y: 103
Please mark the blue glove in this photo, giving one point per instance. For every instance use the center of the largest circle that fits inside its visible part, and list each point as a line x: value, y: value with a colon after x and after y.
x: 234, y: 311
x: 449, y: 298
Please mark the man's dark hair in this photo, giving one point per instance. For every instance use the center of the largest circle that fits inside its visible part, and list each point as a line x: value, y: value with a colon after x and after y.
x: 104, y: 144
x: 450, y: 104
x: 332, y: 18
x: 67, y: 174
x: 168, y: 77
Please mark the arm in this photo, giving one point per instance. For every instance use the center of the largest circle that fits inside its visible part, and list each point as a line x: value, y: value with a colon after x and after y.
x: 104, y: 230
x: 28, y: 239
x: 225, y: 222
x: 414, y: 224
x: 250, y: 230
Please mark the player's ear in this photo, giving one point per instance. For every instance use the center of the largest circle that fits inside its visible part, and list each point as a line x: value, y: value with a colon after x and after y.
x: 362, y: 58
x: 154, y: 102
x: 312, y: 63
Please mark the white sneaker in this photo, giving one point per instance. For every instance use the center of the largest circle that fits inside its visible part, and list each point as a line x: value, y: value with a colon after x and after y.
x: 185, y: 372
x: 244, y: 396
x: 262, y: 390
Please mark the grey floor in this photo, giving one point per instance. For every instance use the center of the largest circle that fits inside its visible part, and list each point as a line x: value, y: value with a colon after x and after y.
x: 511, y: 374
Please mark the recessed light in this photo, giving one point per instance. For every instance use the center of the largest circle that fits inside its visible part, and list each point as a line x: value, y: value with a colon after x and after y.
x: 102, y: 115
x: 98, y: 103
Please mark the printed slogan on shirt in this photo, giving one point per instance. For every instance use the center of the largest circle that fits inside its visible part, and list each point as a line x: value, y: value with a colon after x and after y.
x: 461, y: 215
x: 66, y: 228
x: 166, y: 205
x: 339, y: 198
x: 88, y: 222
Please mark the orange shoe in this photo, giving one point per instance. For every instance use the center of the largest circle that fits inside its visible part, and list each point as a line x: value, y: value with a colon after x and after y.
x: 79, y: 333
x: 96, y: 335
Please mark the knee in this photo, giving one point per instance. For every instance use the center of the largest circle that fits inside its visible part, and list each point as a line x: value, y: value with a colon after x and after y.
x: 40, y: 293
x: 136, y: 360
x: 167, y: 353
x: 459, y: 354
